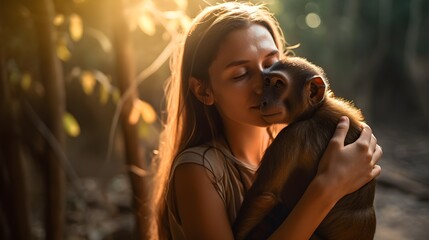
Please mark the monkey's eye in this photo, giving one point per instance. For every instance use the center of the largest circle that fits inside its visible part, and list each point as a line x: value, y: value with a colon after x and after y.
x: 279, y: 83
x: 270, y: 62
x: 272, y: 58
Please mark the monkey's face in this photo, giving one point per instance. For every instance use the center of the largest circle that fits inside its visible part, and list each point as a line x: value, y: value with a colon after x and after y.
x: 292, y: 88
x: 275, y: 105
x: 284, y: 95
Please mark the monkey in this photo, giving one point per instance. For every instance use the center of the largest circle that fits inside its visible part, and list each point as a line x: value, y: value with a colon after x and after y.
x: 297, y: 93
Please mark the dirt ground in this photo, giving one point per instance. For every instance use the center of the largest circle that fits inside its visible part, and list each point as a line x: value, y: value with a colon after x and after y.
x: 102, y: 209
x: 400, y: 216
x: 402, y: 195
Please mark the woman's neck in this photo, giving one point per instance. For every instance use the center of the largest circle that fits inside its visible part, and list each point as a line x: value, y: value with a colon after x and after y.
x: 247, y: 143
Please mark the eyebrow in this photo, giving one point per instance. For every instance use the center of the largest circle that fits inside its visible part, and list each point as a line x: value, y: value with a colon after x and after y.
x: 240, y: 62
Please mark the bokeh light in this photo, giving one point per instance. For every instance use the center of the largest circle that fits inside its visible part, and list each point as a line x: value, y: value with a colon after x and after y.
x: 313, y: 20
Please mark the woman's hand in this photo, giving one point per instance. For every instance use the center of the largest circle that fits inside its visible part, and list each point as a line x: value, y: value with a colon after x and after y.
x: 345, y: 169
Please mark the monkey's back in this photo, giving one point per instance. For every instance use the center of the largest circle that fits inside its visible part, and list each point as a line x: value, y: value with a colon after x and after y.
x: 353, y: 217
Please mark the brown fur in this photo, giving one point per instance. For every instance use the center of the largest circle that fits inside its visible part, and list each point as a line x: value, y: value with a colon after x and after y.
x: 291, y: 161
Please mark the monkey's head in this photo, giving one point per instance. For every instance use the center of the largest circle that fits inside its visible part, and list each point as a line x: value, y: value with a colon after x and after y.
x: 293, y: 88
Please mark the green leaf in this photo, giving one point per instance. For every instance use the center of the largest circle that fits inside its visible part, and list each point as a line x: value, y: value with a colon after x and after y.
x: 116, y: 95
x: 58, y: 20
x: 62, y: 50
x: 143, y: 130
x: 146, y: 24
x: 87, y: 80
x: 76, y: 27
x: 181, y: 4
x: 147, y: 112
x: 26, y: 81
x: 70, y: 124
x: 104, y: 94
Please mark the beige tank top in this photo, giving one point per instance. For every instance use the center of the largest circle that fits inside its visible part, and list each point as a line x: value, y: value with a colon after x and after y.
x: 229, y: 176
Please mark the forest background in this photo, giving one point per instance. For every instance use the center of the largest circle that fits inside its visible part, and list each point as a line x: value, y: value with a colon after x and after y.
x: 81, y: 103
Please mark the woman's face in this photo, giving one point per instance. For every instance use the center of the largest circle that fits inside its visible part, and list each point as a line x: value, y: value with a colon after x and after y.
x: 235, y: 74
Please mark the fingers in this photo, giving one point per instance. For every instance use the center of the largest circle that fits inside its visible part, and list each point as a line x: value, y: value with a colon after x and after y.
x: 372, y: 144
x: 377, y: 155
x: 376, y: 171
x: 341, y: 131
x: 371, y: 147
x: 374, y: 150
x: 366, y: 134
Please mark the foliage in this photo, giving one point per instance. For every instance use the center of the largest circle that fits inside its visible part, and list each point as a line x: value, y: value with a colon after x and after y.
x: 84, y: 43
x: 372, y: 51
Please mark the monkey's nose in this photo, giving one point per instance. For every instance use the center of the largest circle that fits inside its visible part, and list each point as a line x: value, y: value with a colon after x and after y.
x: 267, y: 81
x: 264, y: 103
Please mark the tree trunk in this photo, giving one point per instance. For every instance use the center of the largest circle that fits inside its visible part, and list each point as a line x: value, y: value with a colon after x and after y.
x: 125, y: 72
x: 14, y: 209
x: 54, y: 104
x: 417, y: 67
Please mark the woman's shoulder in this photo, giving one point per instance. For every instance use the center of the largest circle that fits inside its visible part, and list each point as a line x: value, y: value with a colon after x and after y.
x: 211, y: 156
x: 203, y: 152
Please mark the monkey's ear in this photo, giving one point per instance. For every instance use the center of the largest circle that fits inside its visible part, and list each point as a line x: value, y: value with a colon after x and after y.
x: 316, y: 87
x: 200, y: 91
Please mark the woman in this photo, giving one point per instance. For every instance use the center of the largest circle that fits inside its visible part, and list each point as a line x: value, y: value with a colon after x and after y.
x: 215, y: 136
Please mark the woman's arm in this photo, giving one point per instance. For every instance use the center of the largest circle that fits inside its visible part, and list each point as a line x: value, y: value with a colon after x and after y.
x: 201, y: 209
x: 342, y: 170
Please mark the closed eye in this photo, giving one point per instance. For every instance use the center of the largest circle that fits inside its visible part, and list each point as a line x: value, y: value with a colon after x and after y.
x: 240, y: 76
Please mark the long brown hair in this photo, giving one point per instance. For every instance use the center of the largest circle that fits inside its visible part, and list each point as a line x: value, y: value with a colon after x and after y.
x: 189, y: 122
